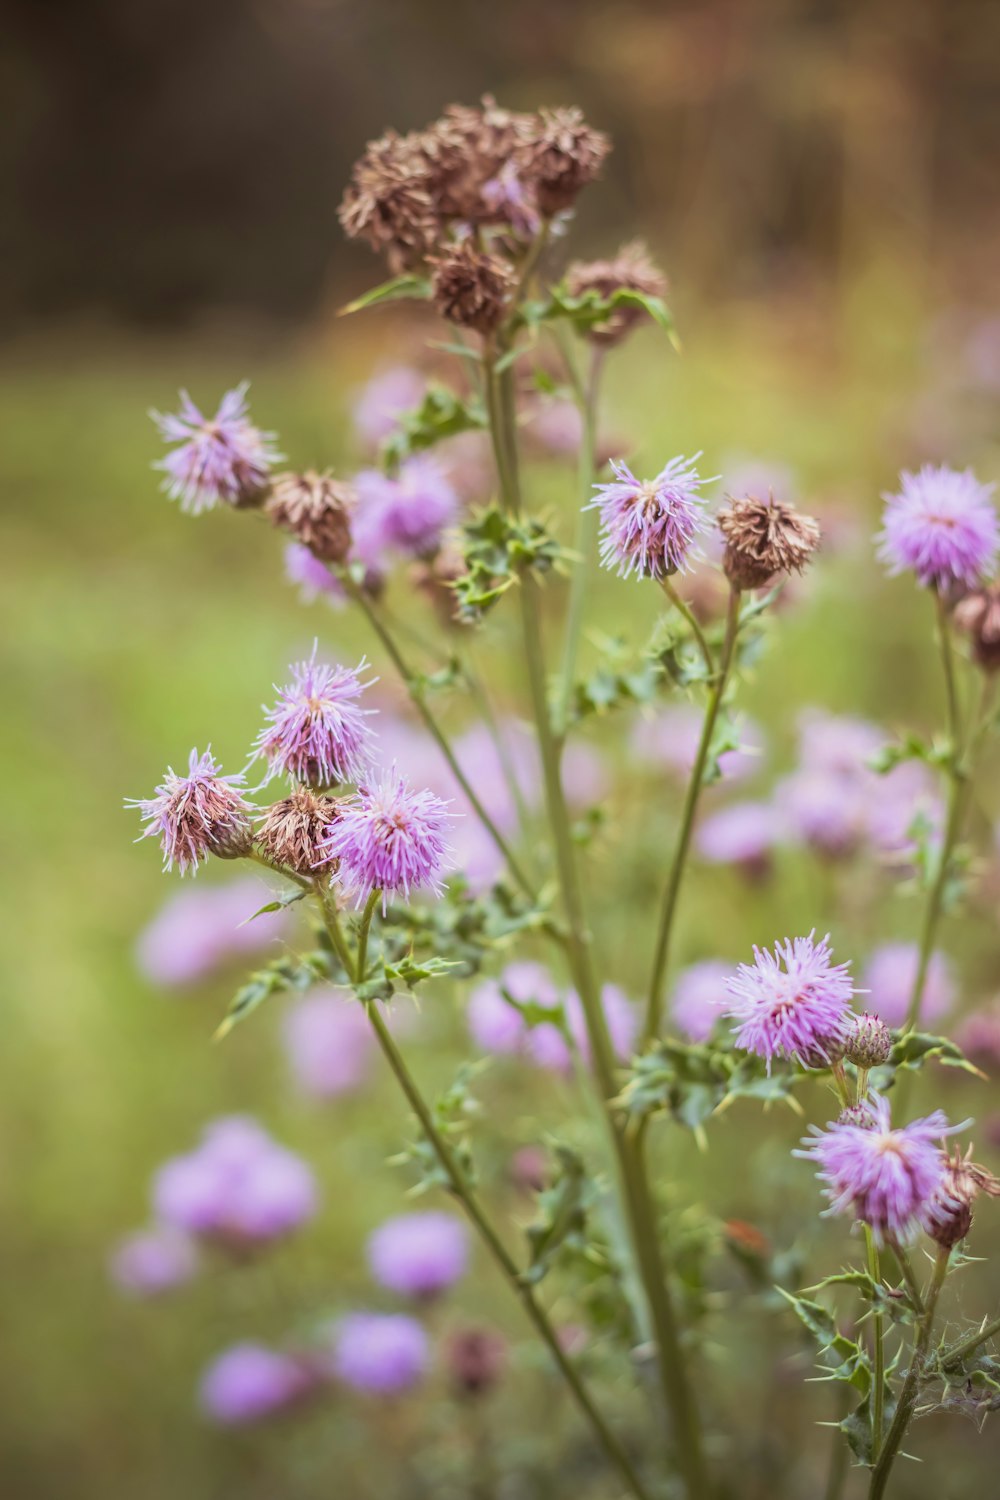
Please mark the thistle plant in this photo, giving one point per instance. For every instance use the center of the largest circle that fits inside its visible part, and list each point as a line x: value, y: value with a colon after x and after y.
x: 470, y: 873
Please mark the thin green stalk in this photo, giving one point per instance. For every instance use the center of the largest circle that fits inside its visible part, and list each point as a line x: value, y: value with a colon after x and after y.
x: 417, y: 698
x: 878, y: 1349
x: 911, y: 1385
x: 331, y: 917
x: 948, y: 664
x: 586, y: 526
x: 684, y: 609
x: 909, y: 1276
x: 363, y: 931
x: 654, y: 1008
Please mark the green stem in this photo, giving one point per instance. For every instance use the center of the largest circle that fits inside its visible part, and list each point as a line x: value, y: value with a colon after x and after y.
x: 911, y: 1385
x: 961, y: 1347
x: 363, y: 931
x: 948, y: 664
x: 654, y: 1008
x: 417, y: 698
x: 331, y: 917
x: 878, y: 1349
x: 683, y: 608
x: 909, y: 1276
x: 586, y: 527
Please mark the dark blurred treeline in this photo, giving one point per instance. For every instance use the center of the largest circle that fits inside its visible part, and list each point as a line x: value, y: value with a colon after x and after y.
x: 164, y: 158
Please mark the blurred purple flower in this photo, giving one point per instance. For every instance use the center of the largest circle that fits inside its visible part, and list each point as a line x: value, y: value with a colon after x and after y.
x: 249, y: 1383
x: 152, y: 1261
x: 901, y: 804
x: 390, y: 837
x: 312, y: 577
x: 221, y: 459
x: 890, y: 975
x: 648, y: 526
x: 671, y: 739
x: 316, y: 732
x: 837, y: 743
x: 942, y: 526
x: 383, y: 1354
x: 792, y: 1003
x: 381, y: 402
x: 742, y: 834
x: 409, y: 512
x: 494, y: 1023
x: 329, y: 1044
x: 978, y: 1034
x: 700, y: 998
x: 825, y: 809
x: 586, y: 779
x: 197, y: 930
x: 419, y: 1255
x: 196, y: 815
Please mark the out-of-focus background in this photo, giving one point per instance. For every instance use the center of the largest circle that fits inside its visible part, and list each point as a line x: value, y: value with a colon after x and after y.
x: 819, y: 182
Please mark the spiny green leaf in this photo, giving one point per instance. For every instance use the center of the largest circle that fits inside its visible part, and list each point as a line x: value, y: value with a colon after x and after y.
x: 441, y: 414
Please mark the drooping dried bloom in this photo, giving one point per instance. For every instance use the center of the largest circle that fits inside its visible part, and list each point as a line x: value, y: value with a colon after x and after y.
x: 792, y: 1003
x: 475, y: 1359
x: 648, y: 526
x: 631, y: 270
x: 249, y: 1383
x: 315, y: 510
x: 941, y: 526
x: 152, y: 1262
x: 699, y: 998
x: 471, y: 287
x: 949, y: 1217
x: 220, y: 460
x: 419, y: 1255
x: 196, y: 815
x: 389, y: 201
x: 890, y: 975
x: 390, y: 837
x: 887, y: 1178
x: 869, y: 1041
x: 765, y: 538
x: 380, y: 1354
x: 316, y: 732
x: 290, y: 831
x: 562, y: 155
x: 406, y: 512
x: 978, y: 614
x: 329, y: 1044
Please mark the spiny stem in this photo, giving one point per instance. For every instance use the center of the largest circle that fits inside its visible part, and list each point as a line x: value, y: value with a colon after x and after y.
x: 878, y: 1349
x: 911, y: 1385
x: 684, y: 609
x: 654, y: 1007
x: 363, y: 931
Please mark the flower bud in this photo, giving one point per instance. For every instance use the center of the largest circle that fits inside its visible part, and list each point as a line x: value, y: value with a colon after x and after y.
x: 978, y: 614
x: 858, y: 1115
x: 315, y: 510
x: 289, y: 833
x: 869, y: 1043
x: 764, y: 538
x: 471, y: 288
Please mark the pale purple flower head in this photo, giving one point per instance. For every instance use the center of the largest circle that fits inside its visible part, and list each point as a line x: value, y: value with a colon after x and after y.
x: 792, y: 1003
x: 311, y: 577
x: 380, y: 1354
x: 648, y: 527
x: 196, y: 815
x: 328, y: 1043
x: 221, y: 459
x: 700, y: 998
x: 555, y: 425
x: 942, y: 526
x: 512, y: 200
x: 900, y: 803
x: 390, y: 837
x: 670, y: 739
x: 825, y: 809
x: 408, y: 512
x: 419, y: 1255
x: 238, y: 1187
x: 249, y: 1383
x: 316, y: 732
x: 153, y: 1261
x: 742, y: 834
x: 890, y: 975
x: 383, y: 400
x: 887, y: 1178
x: 483, y: 765
x: 494, y: 1023
x: 201, y: 927
x: 837, y: 743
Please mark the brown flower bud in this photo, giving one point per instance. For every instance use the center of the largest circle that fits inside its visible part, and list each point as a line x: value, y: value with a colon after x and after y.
x: 949, y: 1218
x: 290, y: 831
x: 630, y: 270
x: 869, y: 1043
x: 562, y: 155
x: 475, y: 1359
x: 314, y: 509
x: 764, y: 538
x: 471, y: 287
x: 978, y: 614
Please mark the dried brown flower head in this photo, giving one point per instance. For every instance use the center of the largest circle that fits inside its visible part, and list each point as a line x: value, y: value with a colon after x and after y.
x: 289, y: 831
x: 978, y: 614
x: 471, y: 287
x: 466, y: 149
x: 562, y: 155
x: 950, y: 1215
x: 390, y: 201
x: 631, y: 270
x: 764, y: 538
x: 316, y: 511
x: 475, y: 1359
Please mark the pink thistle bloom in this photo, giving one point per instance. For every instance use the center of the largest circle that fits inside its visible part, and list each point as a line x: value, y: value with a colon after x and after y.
x: 221, y: 459
x: 824, y: 809
x: 890, y: 975
x: 792, y: 1003
x: 699, y: 998
x: 380, y: 1354
x: 648, y: 526
x: 250, y: 1382
x: 941, y: 526
x: 419, y: 1255
x: 383, y: 400
x: 316, y: 732
x: 391, y: 838
x: 409, y: 512
x: 153, y: 1261
x: 887, y: 1178
x: 196, y: 815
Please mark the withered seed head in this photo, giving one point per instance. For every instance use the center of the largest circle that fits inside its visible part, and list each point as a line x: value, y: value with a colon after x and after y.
x: 315, y: 510
x: 289, y: 831
x: 471, y: 287
x: 950, y: 1215
x: 631, y: 269
x: 562, y: 155
x: 978, y: 614
x: 389, y: 201
x: 763, y: 538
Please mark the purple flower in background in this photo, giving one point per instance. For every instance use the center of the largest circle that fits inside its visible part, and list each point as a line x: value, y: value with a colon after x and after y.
x: 837, y: 743
x: 328, y: 1043
x: 316, y: 732
x: 512, y: 200
x: 793, y: 1002
x: 700, y: 998
x: 648, y: 526
x: 381, y: 1354
x: 419, y: 1255
x: 238, y: 1187
x: 383, y: 400
x: 198, y: 929
x: 941, y: 526
x: 743, y: 834
x: 408, y: 512
x: 482, y: 763
x: 494, y: 1023
x: 250, y: 1382
x: 671, y: 739
x: 585, y: 777
x: 556, y: 426
x: 547, y: 1045
x: 826, y: 810
x: 903, y: 806
x: 390, y: 838
x: 219, y: 459
x: 312, y: 577
x: 887, y: 1178
x: 196, y: 815
x: 152, y: 1261
x: 978, y: 1035
x: 890, y: 975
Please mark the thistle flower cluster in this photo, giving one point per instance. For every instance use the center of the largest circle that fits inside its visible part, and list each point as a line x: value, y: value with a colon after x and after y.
x: 220, y: 460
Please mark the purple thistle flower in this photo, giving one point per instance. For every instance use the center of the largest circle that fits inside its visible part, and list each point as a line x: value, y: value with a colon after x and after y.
x: 941, y: 526
x: 389, y: 838
x: 890, y: 975
x: 153, y: 1261
x: 222, y: 459
x: 329, y: 1044
x: 648, y: 526
x: 312, y: 577
x: 316, y: 733
x: 250, y: 1382
x: 792, y: 1003
x: 200, y: 927
x: 407, y: 513
x: 380, y: 1354
x: 419, y: 1255
x: 383, y: 400
x: 196, y: 815
x: 699, y: 998
x: 887, y: 1178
